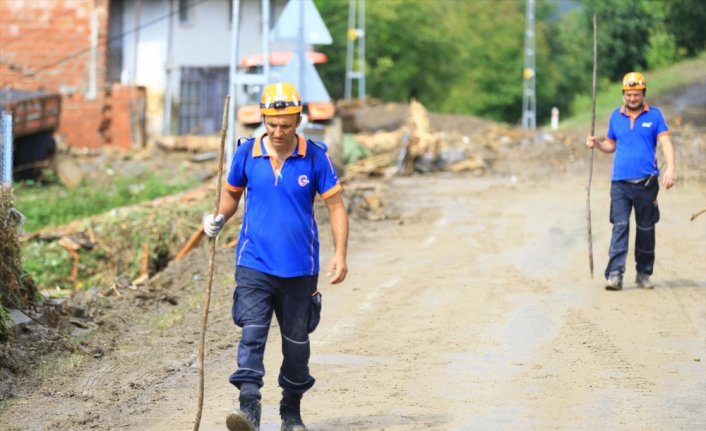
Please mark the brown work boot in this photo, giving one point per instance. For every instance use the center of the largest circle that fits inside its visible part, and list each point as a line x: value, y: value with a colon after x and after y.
x: 290, y: 414
x: 247, y: 418
x: 643, y: 281
x: 614, y: 282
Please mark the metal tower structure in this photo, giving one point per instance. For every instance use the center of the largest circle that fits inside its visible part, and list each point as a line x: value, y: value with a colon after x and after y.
x: 356, y: 36
x: 529, y: 101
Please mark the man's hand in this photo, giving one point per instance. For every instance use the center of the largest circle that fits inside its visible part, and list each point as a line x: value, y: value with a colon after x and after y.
x: 669, y: 178
x: 592, y: 142
x: 212, y: 225
x: 337, y: 270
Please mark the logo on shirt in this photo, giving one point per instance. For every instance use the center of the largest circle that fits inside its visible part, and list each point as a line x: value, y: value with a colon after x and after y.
x: 303, y: 180
x: 647, y: 124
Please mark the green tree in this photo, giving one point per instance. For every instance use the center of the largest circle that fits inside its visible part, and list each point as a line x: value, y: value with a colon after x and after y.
x: 685, y: 20
x: 624, y: 26
x: 571, y: 60
x: 467, y: 56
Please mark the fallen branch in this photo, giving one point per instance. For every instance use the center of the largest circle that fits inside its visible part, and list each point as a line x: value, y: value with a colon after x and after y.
x: 693, y: 216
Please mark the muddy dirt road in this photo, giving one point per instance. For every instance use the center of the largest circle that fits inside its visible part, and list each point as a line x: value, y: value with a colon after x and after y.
x: 471, y: 309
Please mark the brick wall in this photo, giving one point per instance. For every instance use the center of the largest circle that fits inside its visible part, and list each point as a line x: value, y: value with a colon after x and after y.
x: 125, y: 116
x: 46, y: 45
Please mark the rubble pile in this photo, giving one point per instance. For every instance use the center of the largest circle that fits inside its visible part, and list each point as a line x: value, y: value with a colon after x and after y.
x: 424, y: 143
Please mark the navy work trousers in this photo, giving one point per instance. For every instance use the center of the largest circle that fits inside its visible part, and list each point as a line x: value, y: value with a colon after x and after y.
x: 296, y: 303
x: 624, y: 196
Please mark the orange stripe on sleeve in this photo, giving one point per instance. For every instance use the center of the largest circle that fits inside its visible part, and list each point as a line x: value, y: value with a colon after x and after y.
x: 332, y: 191
x: 234, y: 188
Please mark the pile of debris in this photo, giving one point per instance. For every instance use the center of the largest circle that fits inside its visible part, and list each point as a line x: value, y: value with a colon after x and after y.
x: 424, y: 143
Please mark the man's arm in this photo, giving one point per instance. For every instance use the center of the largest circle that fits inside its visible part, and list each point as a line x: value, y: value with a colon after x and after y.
x: 228, y: 205
x: 229, y: 202
x: 337, y: 268
x: 669, y: 178
x: 607, y: 146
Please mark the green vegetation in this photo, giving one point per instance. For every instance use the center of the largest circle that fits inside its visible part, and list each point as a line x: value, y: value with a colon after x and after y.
x: 468, y: 56
x: 54, y: 204
x: 124, y: 240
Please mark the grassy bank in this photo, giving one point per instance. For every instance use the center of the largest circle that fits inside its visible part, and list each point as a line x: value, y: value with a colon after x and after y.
x: 54, y: 204
x: 126, y: 239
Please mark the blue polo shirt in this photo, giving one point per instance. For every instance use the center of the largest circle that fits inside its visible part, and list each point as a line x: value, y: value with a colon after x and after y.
x: 279, y: 235
x: 635, y: 141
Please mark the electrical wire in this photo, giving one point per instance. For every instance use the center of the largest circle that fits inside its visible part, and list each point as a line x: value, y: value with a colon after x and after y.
x: 108, y: 40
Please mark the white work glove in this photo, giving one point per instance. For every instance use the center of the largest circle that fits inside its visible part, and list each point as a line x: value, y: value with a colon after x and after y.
x: 212, y: 225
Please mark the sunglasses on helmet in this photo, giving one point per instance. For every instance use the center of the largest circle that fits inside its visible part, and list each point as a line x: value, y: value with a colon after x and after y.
x: 635, y: 83
x: 279, y: 104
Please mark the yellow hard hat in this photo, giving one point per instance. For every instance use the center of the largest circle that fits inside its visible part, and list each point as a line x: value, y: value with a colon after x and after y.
x: 634, y: 81
x: 280, y: 99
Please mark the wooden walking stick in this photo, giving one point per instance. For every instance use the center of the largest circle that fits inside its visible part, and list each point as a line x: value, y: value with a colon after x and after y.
x: 211, y: 264
x: 593, y: 131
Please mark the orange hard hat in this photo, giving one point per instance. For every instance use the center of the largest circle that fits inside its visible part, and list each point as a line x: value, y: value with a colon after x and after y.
x: 280, y: 99
x: 634, y: 81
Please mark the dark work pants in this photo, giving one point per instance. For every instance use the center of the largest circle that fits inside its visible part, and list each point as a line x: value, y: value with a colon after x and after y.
x: 297, y: 306
x: 624, y: 196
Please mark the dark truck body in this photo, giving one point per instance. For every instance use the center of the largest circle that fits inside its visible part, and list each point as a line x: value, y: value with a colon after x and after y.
x: 35, y: 118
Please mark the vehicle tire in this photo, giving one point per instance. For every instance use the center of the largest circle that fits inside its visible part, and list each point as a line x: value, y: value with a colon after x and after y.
x: 29, y: 152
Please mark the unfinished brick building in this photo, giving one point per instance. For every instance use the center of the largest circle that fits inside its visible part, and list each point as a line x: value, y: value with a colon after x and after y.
x: 61, y: 46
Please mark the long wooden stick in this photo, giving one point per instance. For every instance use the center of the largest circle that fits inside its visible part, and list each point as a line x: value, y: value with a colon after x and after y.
x: 593, y: 133
x: 211, y: 264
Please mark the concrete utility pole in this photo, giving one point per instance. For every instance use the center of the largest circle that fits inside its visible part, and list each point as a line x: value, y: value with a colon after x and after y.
x: 238, y: 79
x: 529, y: 101
x: 356, y: 33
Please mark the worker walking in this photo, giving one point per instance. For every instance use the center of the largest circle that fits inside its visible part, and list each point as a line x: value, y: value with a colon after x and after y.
x: 277, y: 257
x: 633, y: 133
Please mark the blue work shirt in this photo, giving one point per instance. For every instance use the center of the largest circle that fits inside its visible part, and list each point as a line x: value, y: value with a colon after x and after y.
x: 279, y: 235
x: 635, y: 140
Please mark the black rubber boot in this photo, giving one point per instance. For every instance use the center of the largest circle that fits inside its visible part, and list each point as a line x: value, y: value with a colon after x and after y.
x: 247, y: 418
x: 290, y: 413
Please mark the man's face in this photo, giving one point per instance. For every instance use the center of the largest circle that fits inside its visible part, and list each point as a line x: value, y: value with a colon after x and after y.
x: 281, y: 129
x: 633, y: 99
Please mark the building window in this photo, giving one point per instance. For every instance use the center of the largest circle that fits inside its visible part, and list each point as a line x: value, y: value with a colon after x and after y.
x: 115, y: 41
x: 201, y: 96
x: 185, y: 11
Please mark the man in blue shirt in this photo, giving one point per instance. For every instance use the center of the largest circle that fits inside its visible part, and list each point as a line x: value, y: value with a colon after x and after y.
x: 277, y: 257
x: 633, y: 133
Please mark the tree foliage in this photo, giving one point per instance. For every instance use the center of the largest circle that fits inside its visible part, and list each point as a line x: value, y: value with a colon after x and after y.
x: 468, y: 56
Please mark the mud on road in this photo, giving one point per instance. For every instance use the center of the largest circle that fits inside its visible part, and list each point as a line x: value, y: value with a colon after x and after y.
x: 469, y: 307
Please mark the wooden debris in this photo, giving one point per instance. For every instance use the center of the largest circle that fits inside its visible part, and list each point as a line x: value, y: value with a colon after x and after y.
x: 191, y: 143
x: 72, y: 247
x: 193, y: 242
x: 474, y: 163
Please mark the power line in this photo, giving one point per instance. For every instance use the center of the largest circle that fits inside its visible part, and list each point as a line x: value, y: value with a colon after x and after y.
x: 108, y: 40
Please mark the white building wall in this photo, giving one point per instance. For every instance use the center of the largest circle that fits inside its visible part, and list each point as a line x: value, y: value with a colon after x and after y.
x: 203, y: 41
